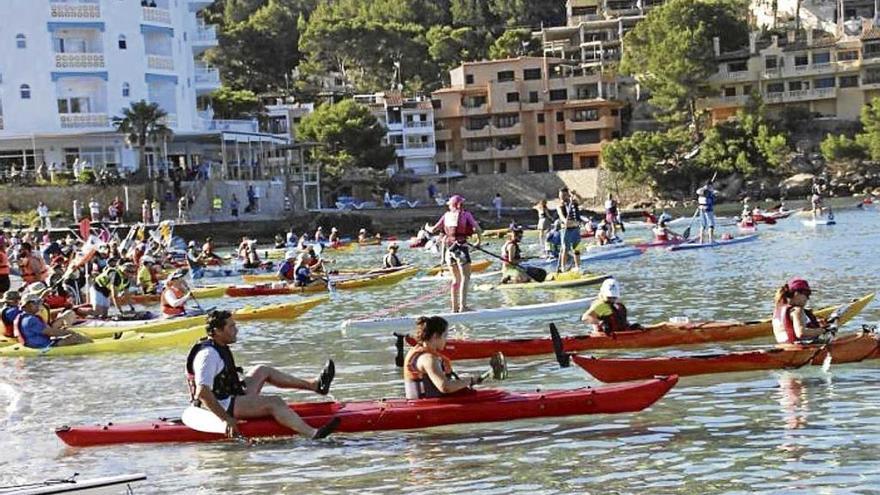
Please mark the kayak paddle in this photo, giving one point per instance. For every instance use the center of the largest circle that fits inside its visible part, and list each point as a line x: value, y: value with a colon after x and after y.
x: 202, y: 420
x: 687, y: 232
x: 562, y: 357
x: 534, y: 273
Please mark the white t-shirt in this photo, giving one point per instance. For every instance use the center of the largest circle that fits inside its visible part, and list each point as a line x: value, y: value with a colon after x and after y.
x: 206, y: 366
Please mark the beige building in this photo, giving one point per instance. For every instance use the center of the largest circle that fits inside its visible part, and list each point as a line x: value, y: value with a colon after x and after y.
x: 528, y: 114
x: 831, y: 75
x: 409, y: 122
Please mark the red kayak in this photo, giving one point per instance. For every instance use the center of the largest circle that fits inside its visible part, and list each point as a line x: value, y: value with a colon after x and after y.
x: 659, y: 244
x: 848, y: 349
x: 482, y: 406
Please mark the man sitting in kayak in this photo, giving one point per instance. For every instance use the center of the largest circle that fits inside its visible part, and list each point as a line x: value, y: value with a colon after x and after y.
x: 302, y: 272
x: 511, y: 256
x: 32, y: 331
x: 607, y: 314
x: 9, y: 312
x: 175, y: 295
x: 287, y: 270
x: 146, y: 276
x: 427, y: 373
x: 215, y: 384
x: 792, y: 322
x: 391, y: 260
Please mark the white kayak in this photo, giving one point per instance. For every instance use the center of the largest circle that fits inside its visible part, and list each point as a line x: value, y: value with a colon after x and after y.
x: 818, y: 222
x: 494, y: 314
x: 114, y: 485
x: 598, y: 253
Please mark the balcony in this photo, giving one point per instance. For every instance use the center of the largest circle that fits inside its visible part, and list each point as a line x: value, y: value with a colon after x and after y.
x: 169, y: 120
x: 801, y: 95
x: 512, y: 152
x: 484, y: 131
x: 204, y: 37
x: 740, y: 75
x: 197, y: 5
x: 74, y: 11
x: 845, y: 65
x: 442, y: 134
x: 583, y: 148
x: 207, y: 78
x: 468, y: 155
x: 771, y: 73
x: 605, y: 122
x: 419, y: 124
x: 411, y: 150
x: 156, y: 15
x: 229, y: 125
x: 84, y: 120
x: 513, y: 129
x: 727, y: 101
x: 79, y: 60
x: 160, y: 62
x: 475, y: 110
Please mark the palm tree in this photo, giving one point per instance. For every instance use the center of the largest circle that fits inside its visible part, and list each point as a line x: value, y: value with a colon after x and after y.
x: 143, y: 123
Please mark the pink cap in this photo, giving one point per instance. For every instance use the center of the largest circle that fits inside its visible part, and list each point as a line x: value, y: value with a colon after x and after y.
x: 456, y: 200
x: 799, y: 285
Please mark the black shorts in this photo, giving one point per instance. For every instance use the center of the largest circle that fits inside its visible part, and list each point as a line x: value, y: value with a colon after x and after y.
x: 458, y: 254
x: 231, y: 408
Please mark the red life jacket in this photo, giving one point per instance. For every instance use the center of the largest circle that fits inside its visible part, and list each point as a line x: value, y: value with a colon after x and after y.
x: 168, y: 309
x: 4, y: 263
x: 411, y: 372
x: 8, y: 321
x: 461, y: 231
x: 782, y: 315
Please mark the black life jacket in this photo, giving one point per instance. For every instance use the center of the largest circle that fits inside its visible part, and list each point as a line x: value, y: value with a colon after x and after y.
x: 616, y: 321
x: 226, y: 384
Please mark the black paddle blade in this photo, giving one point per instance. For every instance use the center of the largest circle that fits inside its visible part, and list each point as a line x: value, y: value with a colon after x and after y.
x: 536, y: 274
x: 398, y: 359
x: 499, y: 366
x: 562, y: 357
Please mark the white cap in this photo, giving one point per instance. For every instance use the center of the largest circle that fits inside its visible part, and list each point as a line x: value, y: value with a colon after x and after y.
x: 290, y: 255
x: 610, y: 288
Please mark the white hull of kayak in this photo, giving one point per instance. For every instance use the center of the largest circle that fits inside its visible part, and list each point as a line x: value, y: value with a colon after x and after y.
x: 818, y: 223
x: 723, y: 242
x: 111, y: 485
x: 406, y: 322
x: 612, y: 252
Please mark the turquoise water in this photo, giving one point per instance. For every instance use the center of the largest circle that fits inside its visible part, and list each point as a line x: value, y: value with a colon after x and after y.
x: 759, y: 432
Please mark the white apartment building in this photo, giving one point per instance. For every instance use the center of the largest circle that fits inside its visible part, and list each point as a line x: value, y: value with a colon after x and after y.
x: 410, y: 125
x: 67, y: 67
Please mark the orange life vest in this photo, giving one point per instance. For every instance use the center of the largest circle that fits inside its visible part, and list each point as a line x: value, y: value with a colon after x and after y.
x: 30, y: 274
x: 168, y: 309
x: 411, y: 372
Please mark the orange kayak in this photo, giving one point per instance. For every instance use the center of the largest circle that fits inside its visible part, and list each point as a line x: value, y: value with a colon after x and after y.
x: 847, y: 349
x: 476, y: 267
x: 663, y: 334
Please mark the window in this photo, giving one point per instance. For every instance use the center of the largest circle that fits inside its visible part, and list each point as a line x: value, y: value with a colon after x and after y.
x: 506, y: 76
x: 821, y: 58
x: 560, y: 139
x: 801, y: 60
x: 540, y: 118
x: 747, y: 89
x: 123, y: 44
x: 502, y: 168
x: 25, y: 91
x: 872, y: 76
x: 585, y: 115
x: 560, y: 116
x: 533, y: 97
x: 126, y: 90
x: 795, y: 86
x: 591, y: 136
x: 825, y: 82
x: 20, y: 41
x: 542, y: 140
x: 539, y: 163
x: 615, y: 112
x: 531, y: 74
x: 512, y: 97
x: 558, y: 94
x: 770, y: 63
x: 730, y: 91
x: 437, y: 104
x: 74, y: 105
x: 848, y: 81
x: 848, y: 55
x: 441, y: 146
x: 505, y: 121
x: 469, y: 79
x: 776, y: 88
x: 738, y: 66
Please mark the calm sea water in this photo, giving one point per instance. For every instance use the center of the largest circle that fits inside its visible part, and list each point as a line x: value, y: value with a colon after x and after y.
x: 801, y: 431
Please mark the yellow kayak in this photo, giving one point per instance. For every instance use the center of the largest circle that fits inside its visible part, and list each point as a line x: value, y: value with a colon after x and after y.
x: 206, y: 292
x: 130, y: 341
x: 476, y: 267
x: 105, y: 329
x: 342, y: 274
x: 553, y: 281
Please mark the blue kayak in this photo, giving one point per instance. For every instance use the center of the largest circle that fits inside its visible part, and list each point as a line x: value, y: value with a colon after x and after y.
x: 723, y: 242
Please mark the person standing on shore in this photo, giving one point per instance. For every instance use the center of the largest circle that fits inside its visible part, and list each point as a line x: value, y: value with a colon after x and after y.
x: 95, y: 209
x: 181, y: 209
x: 233, y: 205
x: 496, y: 203
x: 706, y: 207
x: 157, y: 210
x: 77, y: 211
x: 145, y: 212
x: 43, y: 213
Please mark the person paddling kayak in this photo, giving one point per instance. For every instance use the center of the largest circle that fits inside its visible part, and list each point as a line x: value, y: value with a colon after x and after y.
x: 511, y: 254
x: 287, y: 270
x: 607, y: 314
x: 427, y: 373
x: 9, y: 311
x: 458, y: 225
x: 33, y: 331
x: 391, y: 260
x: 662, y: 233
x: 176, y: 294
x: 214, y: 383
x: 792, y: 322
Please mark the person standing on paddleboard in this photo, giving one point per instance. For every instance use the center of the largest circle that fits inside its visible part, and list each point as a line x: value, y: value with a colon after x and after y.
x: 569, y: 220
x: 458, y: 225
x: 792, y: 322
x: 706, y: 207
x: 214, y: 383
x: 427, y: 372
x: 816, y: 198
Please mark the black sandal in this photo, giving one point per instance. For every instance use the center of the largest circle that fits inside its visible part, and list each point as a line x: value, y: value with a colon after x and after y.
x: 327, y: 429
x: 326, y: 378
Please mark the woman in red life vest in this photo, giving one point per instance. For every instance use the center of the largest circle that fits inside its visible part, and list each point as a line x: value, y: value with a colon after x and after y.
x: 458, y: 225
x: 175, y: 295
x: 427, y: 373
x: 31, y: 265
x: 792, y: 322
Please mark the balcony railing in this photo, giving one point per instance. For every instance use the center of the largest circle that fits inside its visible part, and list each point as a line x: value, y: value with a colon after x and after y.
x: 81, y: 120
x: 419, y: 123
x: 156, y: 15
x: 230, y: 125
x: 800, y: 95
x: 160, y: 62
x: 75, y: 10
x: 170, y: 120
x: 207, y: 75
x: 419, y: 145
x: 78, y: 60
x: 205, y: 34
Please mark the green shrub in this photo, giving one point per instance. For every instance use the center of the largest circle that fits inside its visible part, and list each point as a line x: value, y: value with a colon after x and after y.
x: 840, y: 148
